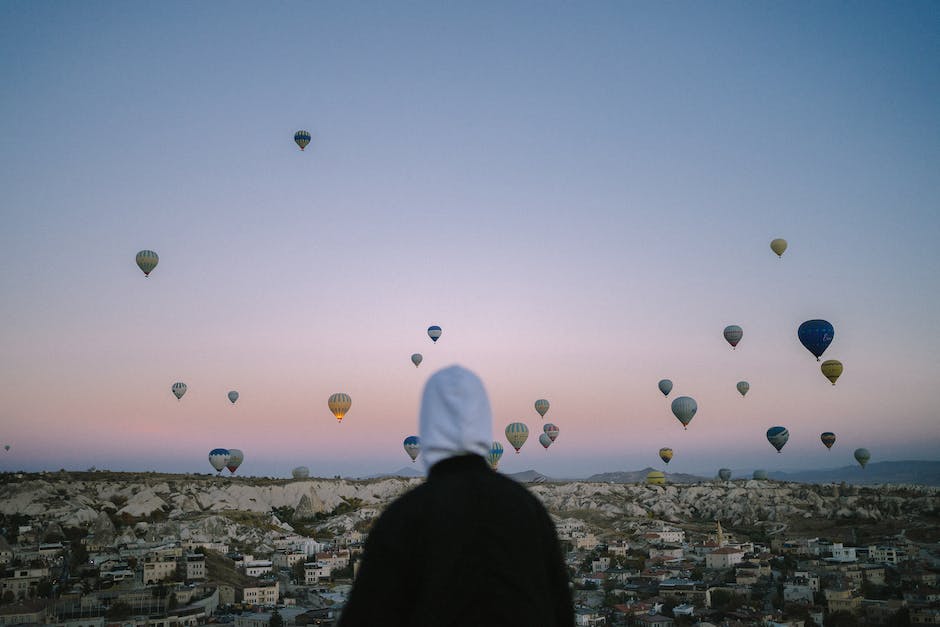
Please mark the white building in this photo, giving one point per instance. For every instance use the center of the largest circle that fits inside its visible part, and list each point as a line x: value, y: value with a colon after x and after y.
x: 258, y: 568
x: 885, y: 554
x: 798, y: 591
x: 725, y: 557
x: 287, y: 558
x: 842, y: 553
x: 158, y: 568
x: 195, y: 566
x: 314, y: 572
x: 261, y: 595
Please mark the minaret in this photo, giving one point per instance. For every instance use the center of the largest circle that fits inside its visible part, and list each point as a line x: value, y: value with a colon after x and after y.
x: 719, y: 537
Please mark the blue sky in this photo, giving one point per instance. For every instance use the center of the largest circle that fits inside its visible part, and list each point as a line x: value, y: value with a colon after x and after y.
x: 581, y: 195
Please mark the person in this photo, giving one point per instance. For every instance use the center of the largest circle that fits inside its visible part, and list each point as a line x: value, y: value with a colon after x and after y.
x: 469, y: 546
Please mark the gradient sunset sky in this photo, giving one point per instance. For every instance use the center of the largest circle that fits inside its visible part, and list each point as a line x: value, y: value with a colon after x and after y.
x: 581, y: 195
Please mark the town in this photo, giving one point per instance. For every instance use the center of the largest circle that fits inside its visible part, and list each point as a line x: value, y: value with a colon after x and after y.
x: 160, y: 565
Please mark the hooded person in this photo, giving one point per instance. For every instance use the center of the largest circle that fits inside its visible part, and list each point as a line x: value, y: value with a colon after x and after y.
x: 469, y: 546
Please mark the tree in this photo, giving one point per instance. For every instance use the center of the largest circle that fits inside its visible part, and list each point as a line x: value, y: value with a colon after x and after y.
x: 172, y: 602
x: 298, y: 571
x: 841, y: 618
x: 276, y: 619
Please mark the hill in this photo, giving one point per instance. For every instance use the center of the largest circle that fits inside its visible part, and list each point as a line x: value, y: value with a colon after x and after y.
x: 639, y: 476
x: 901, y: 472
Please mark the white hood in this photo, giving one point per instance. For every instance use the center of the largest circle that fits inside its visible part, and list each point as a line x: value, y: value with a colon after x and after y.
x: 455, y: 416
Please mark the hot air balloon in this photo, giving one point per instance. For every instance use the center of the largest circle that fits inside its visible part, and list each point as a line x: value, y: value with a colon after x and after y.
x: 831, y: 369
x: 743, y: 387
x: 724, y: 474
x: 684, y: 409
x: 218, y: 457
x: 862, y: 456
x: 235, y: 459
x: 434, y: 332
x: 551, y: 430
x: 665, y: 386
x: 233, y: 396
x: 301, y: 472
x: 178, y: 388
x: 6, y: 447
x: 147, y: 260
x: 416, y: 359
x: 778, y: 436
x: 665, y: 454
x: 496, y: 451
x: 517, y: 433
x: 302, y: 138
x: 760, y: 475
x: 339, y: 404
x: 778, y: 246
x: 412, y: 446
x: 828, y: 438
x: 541, y: 406
x: 733, y: 334
x: 544, y: 440
x: 656, y: 477
x: 816, y: 336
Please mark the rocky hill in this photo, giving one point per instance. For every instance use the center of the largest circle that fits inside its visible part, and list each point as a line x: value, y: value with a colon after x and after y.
x: 144, y: 506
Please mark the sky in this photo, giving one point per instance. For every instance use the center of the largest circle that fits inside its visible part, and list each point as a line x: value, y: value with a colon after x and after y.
x: 582, y: 195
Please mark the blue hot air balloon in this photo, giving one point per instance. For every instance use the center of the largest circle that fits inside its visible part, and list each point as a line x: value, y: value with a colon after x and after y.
x: 434, y: 332
x: 219, y: 457
x: 816, y: 336
x: 665, y: 386
x: 412, y: 446
x: 778, y: 436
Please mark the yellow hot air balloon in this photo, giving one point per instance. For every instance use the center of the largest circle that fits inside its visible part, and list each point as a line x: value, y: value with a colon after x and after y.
x: 655, y: 477
x: 778, y: 246
x: 339, y: 404
x: 832, y: 369
x: 665, y: 454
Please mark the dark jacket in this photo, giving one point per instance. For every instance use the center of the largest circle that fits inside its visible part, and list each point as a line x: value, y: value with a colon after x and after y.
x: 469, y: 547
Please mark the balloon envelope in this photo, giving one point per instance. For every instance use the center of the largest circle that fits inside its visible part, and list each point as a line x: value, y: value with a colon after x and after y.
x: 235, y: 459
x: 517, y: 433
x: 434, y: 332
x: 665, y: 454
x: 301, y: 472
x: 831, y: 369
x: 496, y: 452
x: 665, y: 386
x: 778, y: 246
x: 6, y: 447
x: 862, y: 456
x: 828, y: 438
x: 302, y: 138
x: 778, y: 436
x: 147, y: 260
x: 551, y: 430
x: 541, y: 406
x: 178, y: 388
x: 760, y: 474
x: 412, y: 446
x: 544, y: 440
x: 816, y: 336
x: 684, y: 409
x: 416, y: 359
x: 724, y: 474
x: 656, y: 477
x: 218, y: 457
x: 339, y: 404
x: 743, y: 387
x: 233, y: 396
x: 733, y: 334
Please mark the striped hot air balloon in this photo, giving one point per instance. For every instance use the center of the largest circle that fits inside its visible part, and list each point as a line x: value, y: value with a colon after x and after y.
x: 235, y: 459
x: 147, y: 260
x: 541, y: 406
x: 179, y: 388
x: 665, y: 454
x: 302, y: 138
x: 862, y: 456
x: 743, y: 387
x: 828, y: 438
x: 416, y: 359
x: 733, y: 334
x: 665, y: 386
x: 434, y: 332
x: 493, y: 457
x: 517, y: 433
x: 301, y: 472
x: 724, y: 474
x: 831, y: 369
x: 339, y: 404
x: 551, y: 430
x: 544, y: 440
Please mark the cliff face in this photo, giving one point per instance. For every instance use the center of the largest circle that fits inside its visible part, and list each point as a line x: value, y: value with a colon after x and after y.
x: 190, y: 506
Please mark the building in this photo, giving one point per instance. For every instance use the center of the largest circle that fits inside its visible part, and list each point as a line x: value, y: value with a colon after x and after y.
x: 195, y: 566
x: 288, y: 557
x: 25, y: 613
x: 22, y: 582
x: 6, y: 551
x: 157, y: 568
x: 798, y: 591
x: 314, y: 572
x: 258, y: 567
x: 334, y: 560
x: 262, y: 594
x: 725, y: 557
x: 842, y: 599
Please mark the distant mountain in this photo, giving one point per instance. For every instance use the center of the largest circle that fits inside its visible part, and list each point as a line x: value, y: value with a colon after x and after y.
x: 639, y: 476
x: 915, y: 472
x: 407, y: 472
x: 530, y: 476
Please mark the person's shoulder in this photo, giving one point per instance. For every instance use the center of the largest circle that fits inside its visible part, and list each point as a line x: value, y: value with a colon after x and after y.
x: 405, y: 507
